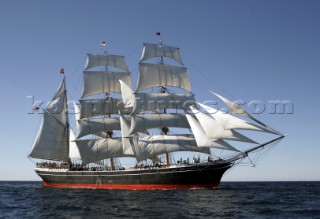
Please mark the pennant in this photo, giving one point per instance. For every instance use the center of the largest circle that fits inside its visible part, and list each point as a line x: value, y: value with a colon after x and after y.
x: 158, y: 33
x: 62, y: 71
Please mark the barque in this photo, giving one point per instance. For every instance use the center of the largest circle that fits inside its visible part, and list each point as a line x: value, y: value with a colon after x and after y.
x: 114, y: 122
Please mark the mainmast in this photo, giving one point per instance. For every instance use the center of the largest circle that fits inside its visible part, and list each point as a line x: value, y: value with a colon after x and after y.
x: 165, y: 130
x: 155, y: 75
x: 95, y: 114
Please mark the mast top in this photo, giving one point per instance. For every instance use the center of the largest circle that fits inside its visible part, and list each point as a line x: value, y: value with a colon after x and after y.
x: 160, y: 39
x: 104, y: 44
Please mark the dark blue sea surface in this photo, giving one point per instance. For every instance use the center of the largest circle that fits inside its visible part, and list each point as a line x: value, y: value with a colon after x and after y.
x: 230, y: 200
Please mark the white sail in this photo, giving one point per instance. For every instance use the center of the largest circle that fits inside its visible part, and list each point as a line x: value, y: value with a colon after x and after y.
x: 96, y: 125
x: 98, y: 149
x: 95, y: 82
x: 57, y: 107
x: 106, y: 60
x: 126, y: 144
x: 154, y: 101
x: 149, y: 146
x: 73, y: 148
x: 236, y: 109
x: 214, y: 130
x: 156, y: 50
x: 147, y: 121
x: 128, y: 96
x: 230, y: 122
x: 76, y: 110
x: 51, y: 142
x: 155, y: 75
x: 203, y: 140
x: 96, y: 107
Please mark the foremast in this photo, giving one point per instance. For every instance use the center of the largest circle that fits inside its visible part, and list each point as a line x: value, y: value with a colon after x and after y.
x: 95, y: 113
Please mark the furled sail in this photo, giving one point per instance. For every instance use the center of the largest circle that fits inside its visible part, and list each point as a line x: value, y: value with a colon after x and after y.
x: 52, y: 141
x: 147, y: 147
x: 96, y: 107
x: 106, y: 60
x: 95, y: 82
x: 96, y: 125
x: 148, y: 121
x: 236, y: 109
x: 154, y: 75
x: 98, y: 149
x: 156, y: 50
x: 214, y: 130
x: 203, y: 140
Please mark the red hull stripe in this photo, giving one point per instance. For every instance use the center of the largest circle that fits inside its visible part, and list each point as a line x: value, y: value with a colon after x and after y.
x: 130, y: 186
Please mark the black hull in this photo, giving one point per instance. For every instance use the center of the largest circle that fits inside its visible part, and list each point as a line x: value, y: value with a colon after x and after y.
x: 190, y: 176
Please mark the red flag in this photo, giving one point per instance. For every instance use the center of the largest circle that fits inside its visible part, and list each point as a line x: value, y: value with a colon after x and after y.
x: 158, y: 33
x: 103, y: 43
x: 61, y: 71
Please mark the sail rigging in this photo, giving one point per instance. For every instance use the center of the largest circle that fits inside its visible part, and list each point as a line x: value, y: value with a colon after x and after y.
x: 148, y: 146
x: 52, y: 141
x: 158, y: 50
x: 236, y: 109
x: 106, y: 60
x: 153, y: 75
x: 134, y: 112
x: 96, y: 82
x: 93, y: 150
x: 101, y: 116
x: 149, y: 121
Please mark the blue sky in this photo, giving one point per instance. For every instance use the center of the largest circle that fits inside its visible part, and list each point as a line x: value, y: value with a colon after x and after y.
x: 250, y: 50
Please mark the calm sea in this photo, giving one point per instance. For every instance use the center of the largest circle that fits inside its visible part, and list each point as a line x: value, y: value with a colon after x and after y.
x: 231, y: 200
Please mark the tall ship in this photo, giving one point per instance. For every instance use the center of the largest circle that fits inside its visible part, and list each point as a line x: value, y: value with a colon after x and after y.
x: 173, y: 141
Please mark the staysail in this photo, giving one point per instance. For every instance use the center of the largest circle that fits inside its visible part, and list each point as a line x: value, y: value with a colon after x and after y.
x: 214, y: 130
x: 236, y: 109
x: 202, y: 139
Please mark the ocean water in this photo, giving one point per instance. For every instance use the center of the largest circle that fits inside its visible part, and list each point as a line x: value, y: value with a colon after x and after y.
x: 230, y: 200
